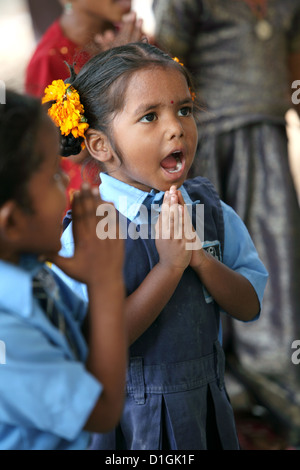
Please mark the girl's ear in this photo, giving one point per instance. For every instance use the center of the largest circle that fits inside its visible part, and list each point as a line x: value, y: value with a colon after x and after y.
x: 11, y: 222
x: 98, y: 145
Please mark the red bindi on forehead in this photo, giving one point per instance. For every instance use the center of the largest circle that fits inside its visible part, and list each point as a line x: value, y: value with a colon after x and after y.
x: 172, y: 102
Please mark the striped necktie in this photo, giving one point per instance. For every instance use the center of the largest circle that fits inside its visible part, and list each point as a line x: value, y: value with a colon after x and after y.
x: 45, y: 290
x: 148, y: 202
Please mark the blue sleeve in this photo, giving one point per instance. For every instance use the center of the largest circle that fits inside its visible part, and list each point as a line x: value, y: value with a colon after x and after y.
x: 40, y: 388
x: 240, y: 253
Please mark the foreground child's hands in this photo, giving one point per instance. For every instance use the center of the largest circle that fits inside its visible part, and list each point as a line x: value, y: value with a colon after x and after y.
x: 99, y: 264
x: 94, y: 260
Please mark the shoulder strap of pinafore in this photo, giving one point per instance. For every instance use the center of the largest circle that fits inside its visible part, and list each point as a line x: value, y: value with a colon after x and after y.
x: 201, y: 190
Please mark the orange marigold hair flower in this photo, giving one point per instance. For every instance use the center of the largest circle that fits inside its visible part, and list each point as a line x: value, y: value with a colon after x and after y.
x: 177, y: 60
x: 66, y: 112
x: 193, y: 94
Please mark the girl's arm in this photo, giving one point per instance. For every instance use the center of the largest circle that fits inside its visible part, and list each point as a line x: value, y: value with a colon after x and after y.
x: 107, y: 359
x: 231, y: 290
x: 99, y: 264
x: 144, y: 305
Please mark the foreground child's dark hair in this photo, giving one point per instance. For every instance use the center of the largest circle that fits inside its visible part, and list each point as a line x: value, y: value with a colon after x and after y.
x: 20, y: 121
x: 103, y: 81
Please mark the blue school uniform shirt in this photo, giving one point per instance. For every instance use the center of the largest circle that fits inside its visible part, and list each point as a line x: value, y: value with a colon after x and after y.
x: 239, y: 252
x: 46, y: 394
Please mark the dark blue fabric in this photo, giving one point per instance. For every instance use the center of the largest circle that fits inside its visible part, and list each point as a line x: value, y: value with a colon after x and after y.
x: 177, y: 365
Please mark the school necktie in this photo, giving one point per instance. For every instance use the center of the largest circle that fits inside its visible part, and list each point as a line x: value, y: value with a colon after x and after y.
x: 154, y: 212
x: 45, y: 290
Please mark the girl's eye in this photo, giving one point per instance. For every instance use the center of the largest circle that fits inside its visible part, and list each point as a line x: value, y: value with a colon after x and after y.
x: 149, y: 117
x: 186, y: 111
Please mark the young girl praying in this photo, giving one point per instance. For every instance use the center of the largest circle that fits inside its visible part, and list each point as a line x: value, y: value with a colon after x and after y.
x: 139, y: 106
x: 54, y: 389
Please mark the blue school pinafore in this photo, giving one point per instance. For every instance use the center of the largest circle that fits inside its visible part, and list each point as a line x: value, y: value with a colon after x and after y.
x: 175, y: 393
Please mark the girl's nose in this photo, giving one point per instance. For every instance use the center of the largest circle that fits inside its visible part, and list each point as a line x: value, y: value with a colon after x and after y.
x: 174, y: 128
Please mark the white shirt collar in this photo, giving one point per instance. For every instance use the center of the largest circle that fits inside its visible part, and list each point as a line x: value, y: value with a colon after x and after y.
x: 128, y: 199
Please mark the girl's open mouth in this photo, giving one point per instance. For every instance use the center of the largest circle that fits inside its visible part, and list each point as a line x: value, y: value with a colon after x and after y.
x: 173, y: 163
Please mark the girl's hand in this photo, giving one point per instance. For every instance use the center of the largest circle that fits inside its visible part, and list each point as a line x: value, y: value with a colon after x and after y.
x: 197, y: 253
x: 194, y: 242
x: 95, y: 260
x: 170, y: 233
x: 198, y: 256
x: 130, y: 30
x: 192, y: 239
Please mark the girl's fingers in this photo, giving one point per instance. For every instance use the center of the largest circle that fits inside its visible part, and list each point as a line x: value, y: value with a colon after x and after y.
x: 170, y: 223
x: 130, y: 29
x: 137, y: 31
x: 167, y: 198
x: 174, y: 194
x: 77, y: 215
x: 180, y: 198
x: 176, y: 221
x: 84, y: 209
x: 163, y: 222
x: 89, y: 207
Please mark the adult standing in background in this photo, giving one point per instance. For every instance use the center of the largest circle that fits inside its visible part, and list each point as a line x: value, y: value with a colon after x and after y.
x: 84, y: 28
x: 244, y: 55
